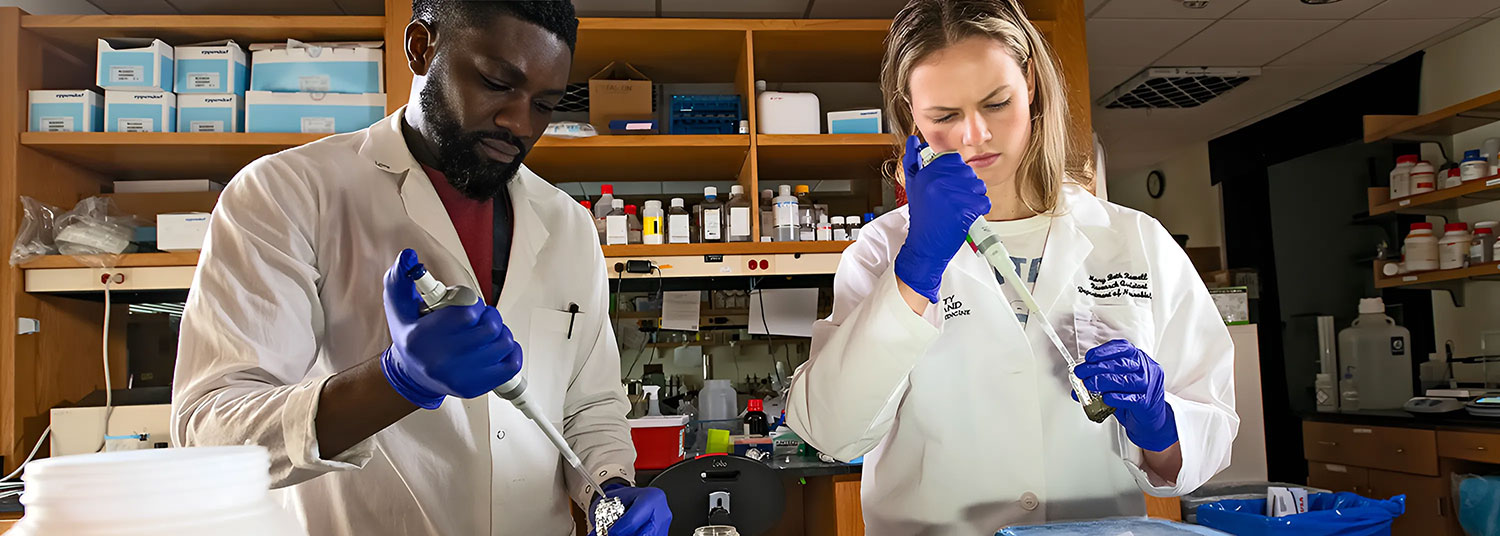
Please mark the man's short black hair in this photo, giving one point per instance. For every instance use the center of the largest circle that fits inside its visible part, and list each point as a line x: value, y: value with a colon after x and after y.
x: 555, y: 16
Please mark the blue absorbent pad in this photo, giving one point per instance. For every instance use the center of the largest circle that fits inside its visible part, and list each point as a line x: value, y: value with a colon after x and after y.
x: 1328, y: 514
x: 1123, y: 526
x: 1479, y: 504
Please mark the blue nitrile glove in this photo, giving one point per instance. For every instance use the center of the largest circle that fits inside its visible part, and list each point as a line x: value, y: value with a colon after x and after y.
x: 646, y: 511
x: 1131, y: 382
x: 944, y: 199
x: 458, y: 351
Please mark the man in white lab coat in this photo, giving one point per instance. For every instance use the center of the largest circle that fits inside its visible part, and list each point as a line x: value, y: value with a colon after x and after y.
x: 287, y: 337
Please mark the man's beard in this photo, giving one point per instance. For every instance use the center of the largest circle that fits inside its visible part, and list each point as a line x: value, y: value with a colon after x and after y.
x: 473, y: 175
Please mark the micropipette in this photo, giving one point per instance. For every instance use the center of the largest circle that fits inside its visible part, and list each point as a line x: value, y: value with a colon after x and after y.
x: 436, y: 296
x: 993, y: 250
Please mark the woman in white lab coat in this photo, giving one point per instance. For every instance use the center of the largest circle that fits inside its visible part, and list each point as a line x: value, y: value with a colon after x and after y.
x: 932, y: 368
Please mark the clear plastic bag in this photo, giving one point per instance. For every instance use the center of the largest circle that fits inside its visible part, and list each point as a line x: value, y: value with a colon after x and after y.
x: 37, y: 233
x: 1477, y: 498
x: 95, y: 232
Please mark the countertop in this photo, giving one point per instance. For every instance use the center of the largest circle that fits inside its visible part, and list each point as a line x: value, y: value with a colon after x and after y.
x: 1401, y: 418
x: 794, y: 467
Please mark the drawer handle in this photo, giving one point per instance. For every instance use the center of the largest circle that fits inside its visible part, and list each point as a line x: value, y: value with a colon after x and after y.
x: 1329, y: 443
x: 1481, y: 447
x: 1400, y: 451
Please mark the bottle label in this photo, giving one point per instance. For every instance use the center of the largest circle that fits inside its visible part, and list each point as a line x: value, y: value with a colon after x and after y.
x: 739, y: 221
x: 712, y: 226
x: 786, y: 213
x: 615, y: 230
x: 651, y: 225
x: 677, y: 226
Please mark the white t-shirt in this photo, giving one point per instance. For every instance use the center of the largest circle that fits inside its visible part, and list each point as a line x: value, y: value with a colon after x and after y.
x: 1024, y: 239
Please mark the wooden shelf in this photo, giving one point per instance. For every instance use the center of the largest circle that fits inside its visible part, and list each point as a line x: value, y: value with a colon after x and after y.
x: 1476, y: 112
x: 823, y: 156
x: 736, y: 248
x: 79, y: 34
x: 128, y: 260
x: 163, y: 155
x: 1488, y: 271
x: 1475, y: 192
x: 640, y: 158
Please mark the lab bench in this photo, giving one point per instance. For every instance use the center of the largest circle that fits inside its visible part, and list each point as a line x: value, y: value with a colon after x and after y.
x: 1384, y: 453
x: 822, y: 499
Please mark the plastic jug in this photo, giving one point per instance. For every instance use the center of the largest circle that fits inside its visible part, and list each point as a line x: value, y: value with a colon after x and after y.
x: 717, y: 401
x: 1380, y: 352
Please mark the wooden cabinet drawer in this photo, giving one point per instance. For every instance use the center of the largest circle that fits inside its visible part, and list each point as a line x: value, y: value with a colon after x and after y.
x: 1394, y: 449
x: 1471, y: 446
x: 1428, y: 508
x: 1338, y: 477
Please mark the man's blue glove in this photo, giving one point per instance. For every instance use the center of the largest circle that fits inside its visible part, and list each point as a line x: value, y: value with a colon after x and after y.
x: 458, y: 351
x: 944, y: 199
x: 646, y: 511
x: 1131, y: 382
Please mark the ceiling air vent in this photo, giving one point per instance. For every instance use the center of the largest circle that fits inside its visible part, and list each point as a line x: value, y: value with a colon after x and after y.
x: 1176, y: 87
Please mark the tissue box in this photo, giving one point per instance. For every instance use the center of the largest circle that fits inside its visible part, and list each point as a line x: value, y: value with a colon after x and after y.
x: 294, y: 66
x: 854, y: 122
x: 141, y: 64
x: 71, y: 110
x: 209, y: 113
x: 181, y: 231
x: 217, y: 67
x: 139, y: 111
x: 311, y: 112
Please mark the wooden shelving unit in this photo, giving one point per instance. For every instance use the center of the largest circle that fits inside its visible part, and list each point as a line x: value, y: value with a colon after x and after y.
x: 128, y: 260
x: 735, y: 248
x: 1488, y: 271
x: 79, y: 34
x: 640, y: 158
x: 1475, y: 192
x: 820, y: 156
x: 1476, y: 112
x: 163, y: 155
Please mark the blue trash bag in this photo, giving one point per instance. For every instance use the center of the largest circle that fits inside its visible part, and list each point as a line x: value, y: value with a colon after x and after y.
x: 1479, y: 504
x: 1328, y: 514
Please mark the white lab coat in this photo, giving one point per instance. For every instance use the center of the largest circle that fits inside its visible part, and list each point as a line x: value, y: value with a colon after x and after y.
x: 289, y: 291
x: 964, y: 416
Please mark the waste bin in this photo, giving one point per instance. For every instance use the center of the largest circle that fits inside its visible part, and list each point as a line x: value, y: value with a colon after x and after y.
x: 1328, y: 514
x: 1134, y: 526
x: 1211, y: 493
x: 1478, y: 499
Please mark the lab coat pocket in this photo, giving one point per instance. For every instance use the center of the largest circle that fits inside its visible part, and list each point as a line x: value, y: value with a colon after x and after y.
x: 549, y: 354
x: 1099, y: 324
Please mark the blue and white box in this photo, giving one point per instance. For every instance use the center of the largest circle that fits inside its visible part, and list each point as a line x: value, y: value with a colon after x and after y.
x: 139, y: 111
x: 141, y: 64
x: 210, y: 113
x: 854, y: 122
x: 69, y: 110
x: 215, y: 67
x: 312, y: 113
x: 294, y: 66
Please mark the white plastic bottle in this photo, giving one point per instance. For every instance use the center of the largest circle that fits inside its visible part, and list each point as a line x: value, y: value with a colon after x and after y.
x: 1423, y: 178
x: 711, y: 217
x: 1453, y: 248
x: 717, y: 401
x: 1327, y: 396
x: 840, y: 233
x: 677, y: 223
x: 1452, y: 178
x: 1401, y: 176
x: 1379, y: 351
x: 739, y: 215
x: 1474, y: 166
x: 854, y: 223
x: 1481, y: 248
x: 786, y: 215
x: 652, y: 228
x: 825, y: 228
x: 616, y: 225
x: 1421, y: 248
x: 807, y: 223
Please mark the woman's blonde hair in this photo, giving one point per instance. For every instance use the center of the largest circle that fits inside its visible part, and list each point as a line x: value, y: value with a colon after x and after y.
x: 926, y: 26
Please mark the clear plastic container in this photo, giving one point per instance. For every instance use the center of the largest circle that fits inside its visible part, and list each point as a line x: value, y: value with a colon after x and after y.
x: 807, y: 227
x: 181, y: 491
x: 1379, y: 352
x: 653, y: 223
x: 717, y: 401
x: 677, y: 223
x: 633, y: 227
x: 840, y: 232
x: 739, y: 215
x: 606, y: 198
x: 711, y: 217
x: 1421, y: 248
x: 825, y: 228
x: 767, y: 215
x: 616, y: 224
x: 786, y: 215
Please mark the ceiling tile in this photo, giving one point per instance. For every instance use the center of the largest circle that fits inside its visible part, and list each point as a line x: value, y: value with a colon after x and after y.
x: 1136, y: 41
x: 615, y: 8
x: 1165, y: 9
x: 720, y: 8
x: 1103, y: 79
x: 1244, y: 43
x: 1366, y: 41
x: 1292, y: 10
x: 855, y: 9
x: 135, y: 7
x: 258, y: 7
x: 1430, y: 9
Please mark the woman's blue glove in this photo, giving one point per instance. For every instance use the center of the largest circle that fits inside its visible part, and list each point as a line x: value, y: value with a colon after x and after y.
x: 646, y: 511
x: 1131, y: 382
x: 458, y: 351
x: 944, y: 199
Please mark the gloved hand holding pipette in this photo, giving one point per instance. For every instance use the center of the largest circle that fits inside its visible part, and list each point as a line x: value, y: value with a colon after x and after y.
x: 945, y: 198
x: 646, y: 512
x: 1131, y: 382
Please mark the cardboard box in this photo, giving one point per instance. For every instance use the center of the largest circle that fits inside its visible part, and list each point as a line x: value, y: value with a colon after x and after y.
x: 168, y: 185
x: 618, y: 91
x: 148, y: 206
x: 854, y: 122
x: 215, y: 67
x: 69, y: 110
x: 311, y: 112
x: 139, y: 111
x: 197, y: 112
x: 294, y: 66
x: 134, y: 63
x: 181, y: 231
